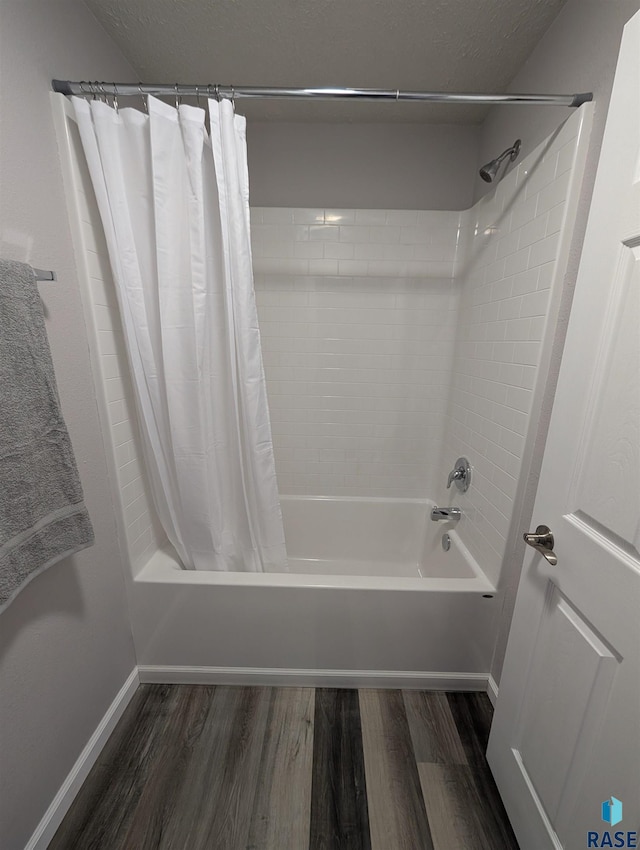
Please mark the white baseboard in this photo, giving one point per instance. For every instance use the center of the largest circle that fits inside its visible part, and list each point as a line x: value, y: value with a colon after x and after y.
x: 492, y: 690
x: 52, y: 818
x: 179, y: 675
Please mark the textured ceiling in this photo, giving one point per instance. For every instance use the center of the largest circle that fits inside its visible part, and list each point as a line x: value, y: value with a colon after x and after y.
x: 448, y: 45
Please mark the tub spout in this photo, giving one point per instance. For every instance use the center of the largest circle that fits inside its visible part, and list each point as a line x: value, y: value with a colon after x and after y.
x: 445, y: 513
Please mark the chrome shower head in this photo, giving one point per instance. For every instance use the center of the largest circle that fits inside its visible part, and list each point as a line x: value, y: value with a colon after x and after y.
x: 489, y: 171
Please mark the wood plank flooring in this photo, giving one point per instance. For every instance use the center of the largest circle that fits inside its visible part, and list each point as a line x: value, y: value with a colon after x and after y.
x: 398, y: 815
x: 339, y: 812
x: 232, y: 768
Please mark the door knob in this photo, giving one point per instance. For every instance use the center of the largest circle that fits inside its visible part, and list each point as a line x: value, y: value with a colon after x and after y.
x: 542, y: 541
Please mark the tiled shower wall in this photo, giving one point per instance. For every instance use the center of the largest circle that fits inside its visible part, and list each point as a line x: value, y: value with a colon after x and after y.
x: 396, y: 341
x: 357, y: 313
x: 511, y: 242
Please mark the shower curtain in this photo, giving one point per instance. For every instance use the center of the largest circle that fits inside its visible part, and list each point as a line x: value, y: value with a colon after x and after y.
x: 174, y: 202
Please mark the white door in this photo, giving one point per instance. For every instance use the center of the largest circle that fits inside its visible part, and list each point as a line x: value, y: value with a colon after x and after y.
x: 566, y: 733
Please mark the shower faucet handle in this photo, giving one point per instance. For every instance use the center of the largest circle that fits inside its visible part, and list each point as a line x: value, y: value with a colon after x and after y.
x: 461, y: 474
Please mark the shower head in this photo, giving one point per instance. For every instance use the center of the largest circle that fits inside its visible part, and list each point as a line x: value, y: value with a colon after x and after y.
x: 489, y: 171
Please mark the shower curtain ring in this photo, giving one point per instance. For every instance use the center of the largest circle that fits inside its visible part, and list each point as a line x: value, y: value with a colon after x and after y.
x: 218, y: 92
x: 233, y: 99
x: 101, y: 92
x: 144, y: 102
x: 197, y: 97
x: 115, y: 98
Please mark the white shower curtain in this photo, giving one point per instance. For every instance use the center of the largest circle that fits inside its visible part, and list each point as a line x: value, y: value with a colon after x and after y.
x: 174, y: 203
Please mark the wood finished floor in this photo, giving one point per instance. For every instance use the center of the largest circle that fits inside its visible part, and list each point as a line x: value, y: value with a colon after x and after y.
x: 233, y: 768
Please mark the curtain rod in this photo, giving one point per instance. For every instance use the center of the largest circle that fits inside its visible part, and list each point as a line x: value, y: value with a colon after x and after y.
x: 89, y: 89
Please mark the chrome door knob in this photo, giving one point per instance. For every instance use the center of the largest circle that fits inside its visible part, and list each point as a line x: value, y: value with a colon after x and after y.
x: 542, y: 541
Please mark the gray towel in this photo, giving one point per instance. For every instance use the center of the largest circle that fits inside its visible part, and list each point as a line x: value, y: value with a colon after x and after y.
x: 42, y: 513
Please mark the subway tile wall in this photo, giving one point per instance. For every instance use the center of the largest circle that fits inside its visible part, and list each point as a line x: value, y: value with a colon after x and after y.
x: 510, y: 241
x: 357, y: 313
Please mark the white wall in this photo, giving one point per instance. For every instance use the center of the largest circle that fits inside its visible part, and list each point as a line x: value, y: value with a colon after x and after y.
x: 65, y: 642
x: 363, y: 166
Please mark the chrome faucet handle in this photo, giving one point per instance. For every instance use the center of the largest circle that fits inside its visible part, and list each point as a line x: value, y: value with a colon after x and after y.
x: 461, y: 474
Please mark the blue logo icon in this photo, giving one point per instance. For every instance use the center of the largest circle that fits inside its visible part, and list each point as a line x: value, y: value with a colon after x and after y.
x: 612, y: 811
x: 612, y: 814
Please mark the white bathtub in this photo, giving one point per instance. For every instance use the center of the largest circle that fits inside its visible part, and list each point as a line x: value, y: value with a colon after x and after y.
x: 406, y: 614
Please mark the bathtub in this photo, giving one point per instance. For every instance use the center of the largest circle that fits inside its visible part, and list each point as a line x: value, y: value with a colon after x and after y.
x: 368, y: 598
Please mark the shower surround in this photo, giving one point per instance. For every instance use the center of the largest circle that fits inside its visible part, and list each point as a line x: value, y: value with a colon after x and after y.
x: 394, y: 341
x: 358, y: 313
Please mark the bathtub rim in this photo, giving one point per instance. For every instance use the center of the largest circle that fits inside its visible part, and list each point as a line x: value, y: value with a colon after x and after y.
x: 417, y: 500
x: 164, y: 568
